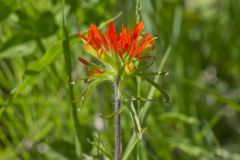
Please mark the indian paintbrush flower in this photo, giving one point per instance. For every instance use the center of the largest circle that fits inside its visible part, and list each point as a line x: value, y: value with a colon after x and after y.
x: 116, y: 51
x: 120, y: 53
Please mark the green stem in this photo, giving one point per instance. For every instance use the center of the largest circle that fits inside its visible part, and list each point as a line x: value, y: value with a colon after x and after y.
x: 66, y: 50
x: 68, y: 64
x: 118, y: 151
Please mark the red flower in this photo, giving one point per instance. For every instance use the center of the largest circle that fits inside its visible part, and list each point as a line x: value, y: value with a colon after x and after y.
x: 126, y: 42
x: 128, y: 45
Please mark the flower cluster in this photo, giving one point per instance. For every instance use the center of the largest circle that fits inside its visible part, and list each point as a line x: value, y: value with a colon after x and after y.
x: 117, y: 51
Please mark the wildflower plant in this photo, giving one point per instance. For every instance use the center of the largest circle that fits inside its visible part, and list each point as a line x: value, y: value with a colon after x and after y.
x: 119, y: 55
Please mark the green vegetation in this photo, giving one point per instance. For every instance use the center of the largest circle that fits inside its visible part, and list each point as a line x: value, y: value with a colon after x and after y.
x: 197, y: 43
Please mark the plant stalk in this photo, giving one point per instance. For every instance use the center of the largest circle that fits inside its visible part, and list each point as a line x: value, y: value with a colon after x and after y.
x: 117, y: 121
x: 68, y: 64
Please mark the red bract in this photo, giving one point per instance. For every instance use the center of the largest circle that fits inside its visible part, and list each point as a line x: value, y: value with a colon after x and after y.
x: 126, y: 42
x: 91, y: 70
x: 83, y: 61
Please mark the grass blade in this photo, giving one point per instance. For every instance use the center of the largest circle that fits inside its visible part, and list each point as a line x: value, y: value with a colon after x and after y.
x: 68, y: 64
x: 159, y: 88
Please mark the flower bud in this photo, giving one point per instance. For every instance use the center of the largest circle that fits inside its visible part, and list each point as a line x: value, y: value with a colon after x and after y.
x: 130, y: 68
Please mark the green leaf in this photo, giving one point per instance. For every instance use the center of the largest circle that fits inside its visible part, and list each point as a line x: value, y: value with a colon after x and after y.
x: 112, y: 114
x: 64, y: 148
x: 109, y: 20
x: 164, y: 59
x: 207, y: 134
x: 68, y: 65
x: 49, y: 57
x: 90, y: 88
x: 177, y: 23
x: 164, y: 74
x: 146, y: 66
x: 225, y: 154
x: 159, y: 88
x: 150, y: 95
x: 4, y: 11
x: 25, y: 21
x: 133, y: 141
x: 147, y: 100
x: 135, y: 119
x: 101, y: 148
x: 220, y: 98
x: 35, y: 67
x: 41, y: 131
x: 189, y: 149
x: 21, y: 50
x: 127, y: 97
x: 46, y: 24
x: 15, y: 40
x: 131, y: 144
x: 176, y: 117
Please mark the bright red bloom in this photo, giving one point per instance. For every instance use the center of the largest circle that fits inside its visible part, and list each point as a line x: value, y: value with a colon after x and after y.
x: 126, y: 42
x: 117, y: 50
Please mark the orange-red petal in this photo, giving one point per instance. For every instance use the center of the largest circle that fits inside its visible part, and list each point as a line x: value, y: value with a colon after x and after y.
x: 82, y: 36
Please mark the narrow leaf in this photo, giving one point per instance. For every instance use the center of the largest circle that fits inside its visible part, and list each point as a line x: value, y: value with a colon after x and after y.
x: 132, y: 143
x: 220, y: 98
x: 178, y: 117
x: 50, y: 56
x: 90, y: 88
x: 164, y: 74
x: 101, y: 149
x: 110, y: 20
x: 137, y: 126
x: 165, y: 95
x: 189, y: 149
x: 68, y: 65
x: 112, y: 114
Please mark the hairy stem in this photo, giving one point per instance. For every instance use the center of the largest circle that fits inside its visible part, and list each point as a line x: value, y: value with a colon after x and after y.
x: 118, y: 145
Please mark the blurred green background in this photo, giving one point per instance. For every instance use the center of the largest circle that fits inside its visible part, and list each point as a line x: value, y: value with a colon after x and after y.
x: 201, y: 121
